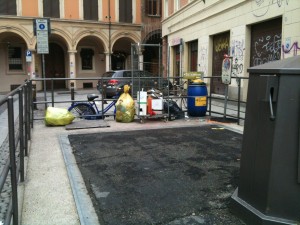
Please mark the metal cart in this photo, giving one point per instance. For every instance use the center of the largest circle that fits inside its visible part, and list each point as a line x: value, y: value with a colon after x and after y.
x: 155, y: 80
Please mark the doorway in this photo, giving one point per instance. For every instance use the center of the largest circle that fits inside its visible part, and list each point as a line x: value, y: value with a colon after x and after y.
x: 220, y: 47
x: 55, y: 67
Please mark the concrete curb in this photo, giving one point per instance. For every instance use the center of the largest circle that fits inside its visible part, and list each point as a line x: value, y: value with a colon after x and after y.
x: 84, y: 205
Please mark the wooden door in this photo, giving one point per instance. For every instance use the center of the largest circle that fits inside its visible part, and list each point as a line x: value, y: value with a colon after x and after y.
x: 220, y: 47
x: 266, y: 42
x: 55, y: 66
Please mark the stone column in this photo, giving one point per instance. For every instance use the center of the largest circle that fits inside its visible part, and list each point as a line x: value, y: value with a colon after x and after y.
x: 31, y: 65
x: 141, y: 61
x: 72, y: 67
x: 107, y: 61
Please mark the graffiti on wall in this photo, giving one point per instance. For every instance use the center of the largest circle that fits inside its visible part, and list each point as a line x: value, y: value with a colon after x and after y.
x: 261, y: 7
x: 203, y: 59
x: 221, y: 45
x: 237, y: 49
x: 266, y: 48
x: 237, y: 53
x: 289, y: 48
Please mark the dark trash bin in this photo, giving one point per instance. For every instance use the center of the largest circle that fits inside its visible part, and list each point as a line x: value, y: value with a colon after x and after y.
x: 269, y: 185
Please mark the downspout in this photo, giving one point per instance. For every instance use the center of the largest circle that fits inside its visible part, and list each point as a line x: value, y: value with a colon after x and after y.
x: 109, y: 36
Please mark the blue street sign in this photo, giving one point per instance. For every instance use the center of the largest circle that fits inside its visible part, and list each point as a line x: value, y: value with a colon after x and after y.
x: 42, y: 26
x: 28, y: 56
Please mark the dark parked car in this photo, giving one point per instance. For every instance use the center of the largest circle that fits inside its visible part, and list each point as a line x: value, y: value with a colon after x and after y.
x: 114, y: 81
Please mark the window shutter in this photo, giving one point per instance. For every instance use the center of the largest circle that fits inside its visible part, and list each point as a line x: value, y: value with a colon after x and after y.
x: 90, y: 10
x: 8, y: 7
x: 125, y: 13
x: 51, y: 8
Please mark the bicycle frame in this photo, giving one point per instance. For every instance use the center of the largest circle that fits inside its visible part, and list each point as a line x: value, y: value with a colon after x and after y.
x: 105, y: 110
x: 97, y: 114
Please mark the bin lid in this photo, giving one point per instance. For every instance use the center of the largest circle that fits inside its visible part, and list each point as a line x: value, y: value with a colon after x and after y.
x: 285, y: 66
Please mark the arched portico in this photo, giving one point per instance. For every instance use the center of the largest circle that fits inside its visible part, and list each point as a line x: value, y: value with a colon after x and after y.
x: 14, y: 68
x: 151, y: 53
x: 121, y: 50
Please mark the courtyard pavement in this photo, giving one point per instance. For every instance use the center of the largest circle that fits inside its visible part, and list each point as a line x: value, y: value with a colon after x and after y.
x: 46, y: 195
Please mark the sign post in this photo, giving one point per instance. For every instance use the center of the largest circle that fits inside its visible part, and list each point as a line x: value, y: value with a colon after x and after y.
x: 41, y: 28
x: 226, y: 77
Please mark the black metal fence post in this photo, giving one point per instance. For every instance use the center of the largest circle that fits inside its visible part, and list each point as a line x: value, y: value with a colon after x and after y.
x: 210, y: 98
x: 239, y: 98
x: 34, y: 106
x: 26, y: 119
x: 52, y: 92
x: 27, y: 109
x: 72, y: 91
x: 12, y: 150
x: 30, y: 106
x: 21, y: 134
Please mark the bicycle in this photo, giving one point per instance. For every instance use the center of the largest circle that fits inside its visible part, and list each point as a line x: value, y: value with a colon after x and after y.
x: 180, y: 91
x: 89, y: 110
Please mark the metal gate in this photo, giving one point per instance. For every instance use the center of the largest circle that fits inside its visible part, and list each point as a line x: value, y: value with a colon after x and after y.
x: 149, y: 70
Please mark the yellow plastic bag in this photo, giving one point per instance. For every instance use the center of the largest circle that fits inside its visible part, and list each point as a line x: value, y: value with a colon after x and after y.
x: 58, y: 117
x: 125, y: 110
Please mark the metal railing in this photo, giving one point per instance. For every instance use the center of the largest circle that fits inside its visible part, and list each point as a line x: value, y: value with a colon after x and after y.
x: 226, y: 99
x: 18, y: 135
x: 237, y: 105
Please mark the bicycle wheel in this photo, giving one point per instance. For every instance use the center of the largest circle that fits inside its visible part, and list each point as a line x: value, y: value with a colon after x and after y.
x: 82, y: 111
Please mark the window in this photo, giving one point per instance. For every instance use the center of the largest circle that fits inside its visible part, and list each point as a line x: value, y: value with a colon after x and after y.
x: 8, y: 7
x: 125, y: 12
x: 193, y: 55
x: 51, y: 8
x: 90, y: 9
x: 15, y: 61
x: 177, y: 61
x: 87, y: 58
x: 153, y: 7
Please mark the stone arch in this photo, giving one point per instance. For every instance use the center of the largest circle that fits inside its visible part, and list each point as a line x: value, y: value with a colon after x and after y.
x: 121, y: 49
x: 121, y: 34
x: 90, y: 33
x: 153, y: 37
x: 61, y: 36
x: 21, y: 33
x: 152, y: 53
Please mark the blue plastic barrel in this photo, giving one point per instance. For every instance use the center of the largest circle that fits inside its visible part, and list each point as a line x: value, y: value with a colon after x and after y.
x: 197, y: 99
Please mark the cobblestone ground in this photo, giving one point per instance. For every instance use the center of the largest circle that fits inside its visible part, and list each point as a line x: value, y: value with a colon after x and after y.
x: 6, y: 191
x: 5, y: 194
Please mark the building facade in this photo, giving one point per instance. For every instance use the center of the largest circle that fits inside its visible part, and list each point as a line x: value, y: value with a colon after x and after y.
x: 198, y: 33
x: 86, y: 38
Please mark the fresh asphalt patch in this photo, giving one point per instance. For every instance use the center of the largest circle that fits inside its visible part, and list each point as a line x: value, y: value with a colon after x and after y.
x: 168, y: 176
